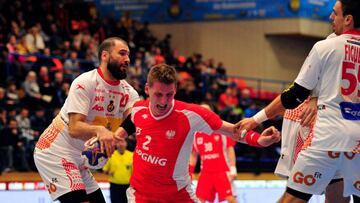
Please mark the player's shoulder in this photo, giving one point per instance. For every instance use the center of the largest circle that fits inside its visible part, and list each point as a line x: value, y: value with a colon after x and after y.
x: 85, y: 80
x: 124, y: 84
x: 141, y: 103
x: 331, y: 42
x: 87, y: 76
x: 180, y: 105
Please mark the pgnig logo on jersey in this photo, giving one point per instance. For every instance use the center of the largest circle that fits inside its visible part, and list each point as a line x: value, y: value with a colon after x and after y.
x: 350, y: 111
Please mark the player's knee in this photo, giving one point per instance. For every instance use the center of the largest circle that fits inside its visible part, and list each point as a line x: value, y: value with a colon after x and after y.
x: 300, y: 195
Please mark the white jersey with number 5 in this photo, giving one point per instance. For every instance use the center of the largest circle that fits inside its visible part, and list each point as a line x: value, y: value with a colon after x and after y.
x: 332, y: 67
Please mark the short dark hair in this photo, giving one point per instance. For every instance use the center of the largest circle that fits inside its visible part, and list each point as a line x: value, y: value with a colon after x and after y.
x: 162, y: 73
x: 107, y: 44
x: 352, y: 7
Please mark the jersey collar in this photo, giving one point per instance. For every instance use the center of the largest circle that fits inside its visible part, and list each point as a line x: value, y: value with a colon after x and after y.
x: 161, y: 117
x: 353, y: 32
x: 110, y: 82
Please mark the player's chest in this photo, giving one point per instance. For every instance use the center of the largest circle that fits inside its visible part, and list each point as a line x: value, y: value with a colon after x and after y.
x: 166, y: 132
x: 108, y: 102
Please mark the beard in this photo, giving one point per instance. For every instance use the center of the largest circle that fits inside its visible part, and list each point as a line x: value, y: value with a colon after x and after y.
x: 115, y: 69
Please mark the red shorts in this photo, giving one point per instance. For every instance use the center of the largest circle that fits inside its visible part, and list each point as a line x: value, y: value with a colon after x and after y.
x: 185, y: 195
x: 211, y: 183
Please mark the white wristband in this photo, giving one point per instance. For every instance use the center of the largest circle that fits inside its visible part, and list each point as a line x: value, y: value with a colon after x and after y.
x: 233, y: 170
x: 260, y: 116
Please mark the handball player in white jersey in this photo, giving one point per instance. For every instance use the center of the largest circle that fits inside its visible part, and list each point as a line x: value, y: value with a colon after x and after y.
x: 165, y: 131
x: 332, y: 67
x: 98, y: 102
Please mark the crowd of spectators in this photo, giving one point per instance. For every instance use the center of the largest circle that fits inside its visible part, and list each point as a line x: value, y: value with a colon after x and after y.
x: 45, y: 44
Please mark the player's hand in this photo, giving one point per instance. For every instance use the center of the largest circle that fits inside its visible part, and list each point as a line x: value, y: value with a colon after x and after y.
x: 269, y: 136
x: 106, y: 139
x: 243, y: 126
x: 120, y: 134
x: 308, y: 114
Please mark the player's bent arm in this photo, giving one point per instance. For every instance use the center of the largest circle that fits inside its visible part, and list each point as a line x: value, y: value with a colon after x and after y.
x: 79, y: 129
x: 291, y: 98
x: 228, y: 129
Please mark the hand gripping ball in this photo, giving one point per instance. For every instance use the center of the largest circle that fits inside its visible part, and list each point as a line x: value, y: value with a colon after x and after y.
x: 92, y: 155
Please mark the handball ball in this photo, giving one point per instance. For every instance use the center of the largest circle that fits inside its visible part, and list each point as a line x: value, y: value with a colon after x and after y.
x: 93, y: 157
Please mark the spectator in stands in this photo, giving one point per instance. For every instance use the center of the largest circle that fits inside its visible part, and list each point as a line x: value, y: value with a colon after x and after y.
x: 228, y: 102
x: 65, y: 49
x: 56, y: 39
x: 32, y: 89
x: 188, y: 93
x: 3, y: 102
x: 16, y: 30
x: 41, y: 32
x: 22, y: 65
x: 22, y: 47
x: 12, y: 142
x: 38, y: 121
x: 12, y: 94
x: 91, y: 53
x: 72, y: 66
x: 11, y: 48
x: 34, y: 40
x: 60, y: 94
x: 245, y: 100
x: 3, y: 118
x: 6, y: 150
x: 24, y: 124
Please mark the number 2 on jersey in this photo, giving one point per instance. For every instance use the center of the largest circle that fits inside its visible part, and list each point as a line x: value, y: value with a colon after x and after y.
x: 148, y: 140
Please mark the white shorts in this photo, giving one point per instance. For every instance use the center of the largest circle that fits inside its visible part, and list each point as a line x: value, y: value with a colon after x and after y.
x: 292, y: 140
x: 63, y: 174
x: 313, y: 171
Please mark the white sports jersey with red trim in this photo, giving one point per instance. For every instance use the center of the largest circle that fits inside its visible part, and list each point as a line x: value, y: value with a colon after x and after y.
x: 212, y: 149
x: 162, y: 153
x: 102, y: 102
x: 332, y: 67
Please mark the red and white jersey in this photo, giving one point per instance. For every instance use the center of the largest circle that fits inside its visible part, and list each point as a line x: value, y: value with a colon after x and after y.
x: 212, y: 149
x: 332, y: 67
x: 102, y: 102
x: 163, y: 147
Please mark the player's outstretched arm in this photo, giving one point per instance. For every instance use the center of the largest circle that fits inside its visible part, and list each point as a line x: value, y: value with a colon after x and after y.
x: 269, y: 136
x: 79, y: 129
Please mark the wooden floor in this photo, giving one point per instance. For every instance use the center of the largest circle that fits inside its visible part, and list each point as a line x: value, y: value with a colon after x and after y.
x: 34, y: 177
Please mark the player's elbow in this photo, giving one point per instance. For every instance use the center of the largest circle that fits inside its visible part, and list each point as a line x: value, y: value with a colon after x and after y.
x: 72, y: 131
x: 293, y: 96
